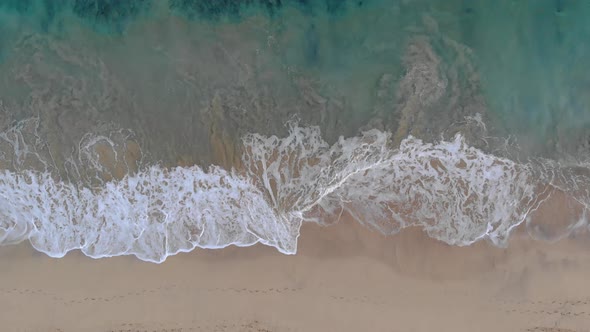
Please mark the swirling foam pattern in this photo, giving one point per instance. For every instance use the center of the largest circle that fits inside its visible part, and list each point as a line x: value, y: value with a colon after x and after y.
x: 457, y: 193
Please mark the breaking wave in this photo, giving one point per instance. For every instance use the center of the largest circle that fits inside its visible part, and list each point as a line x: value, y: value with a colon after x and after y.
x: 456, y: 193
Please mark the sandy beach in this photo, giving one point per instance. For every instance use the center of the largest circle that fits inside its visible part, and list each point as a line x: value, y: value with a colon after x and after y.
x: 344, y: 278
x: 133, y: 130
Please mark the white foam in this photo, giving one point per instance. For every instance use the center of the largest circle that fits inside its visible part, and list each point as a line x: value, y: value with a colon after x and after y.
x: 151, y: 215
x: 457, y: 193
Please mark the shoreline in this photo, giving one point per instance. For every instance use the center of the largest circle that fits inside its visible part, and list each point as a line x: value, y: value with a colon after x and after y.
x: 412, y: 279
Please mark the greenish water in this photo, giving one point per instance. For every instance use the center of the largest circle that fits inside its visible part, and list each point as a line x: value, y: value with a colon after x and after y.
x: 100, y: 100
x: 525, y: 60
x: 532, y: 57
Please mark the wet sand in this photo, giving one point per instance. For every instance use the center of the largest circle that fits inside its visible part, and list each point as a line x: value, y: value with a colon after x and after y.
x: 344, y: 278
x: 178, y: 92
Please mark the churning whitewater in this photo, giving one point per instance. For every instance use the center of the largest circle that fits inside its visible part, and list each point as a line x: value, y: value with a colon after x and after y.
x: 456, y: 193
x: 150, y: 128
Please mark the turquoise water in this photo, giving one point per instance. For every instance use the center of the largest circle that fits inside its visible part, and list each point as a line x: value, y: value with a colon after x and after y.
x: 527, y: 58
x: 113, y: 112
x: 532, y: 57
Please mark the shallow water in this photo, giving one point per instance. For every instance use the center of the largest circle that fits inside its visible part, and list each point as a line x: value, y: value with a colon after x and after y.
x: 155, y: 127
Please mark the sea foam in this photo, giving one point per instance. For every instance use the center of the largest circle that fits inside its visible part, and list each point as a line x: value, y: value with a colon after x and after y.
x: 456, y: 193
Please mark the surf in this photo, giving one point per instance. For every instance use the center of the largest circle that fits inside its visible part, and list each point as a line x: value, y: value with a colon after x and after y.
x: 456, y: 193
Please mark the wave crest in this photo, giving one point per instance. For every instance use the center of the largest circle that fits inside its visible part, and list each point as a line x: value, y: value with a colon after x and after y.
x: 456, y: 193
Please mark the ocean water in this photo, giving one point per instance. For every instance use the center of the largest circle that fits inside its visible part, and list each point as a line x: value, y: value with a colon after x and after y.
x: 150, y: 128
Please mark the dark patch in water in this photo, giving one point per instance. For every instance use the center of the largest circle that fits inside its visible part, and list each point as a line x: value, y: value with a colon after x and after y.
x: 207, y: 8
x: 335, y: 6
x: 272, y: 5
x: 467, y: 20
x: 559, y: 6
x: 103, y: 15
x: 20, y: 6
x: 50, y: 10
x: 311, y: 45
x: 114, y: 15
x: 109, y: 11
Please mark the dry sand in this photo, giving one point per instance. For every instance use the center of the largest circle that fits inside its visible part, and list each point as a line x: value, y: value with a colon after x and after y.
x: 344, y: 278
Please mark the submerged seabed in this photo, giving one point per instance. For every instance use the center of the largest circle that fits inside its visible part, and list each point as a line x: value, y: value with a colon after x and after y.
x: 149, y: 128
